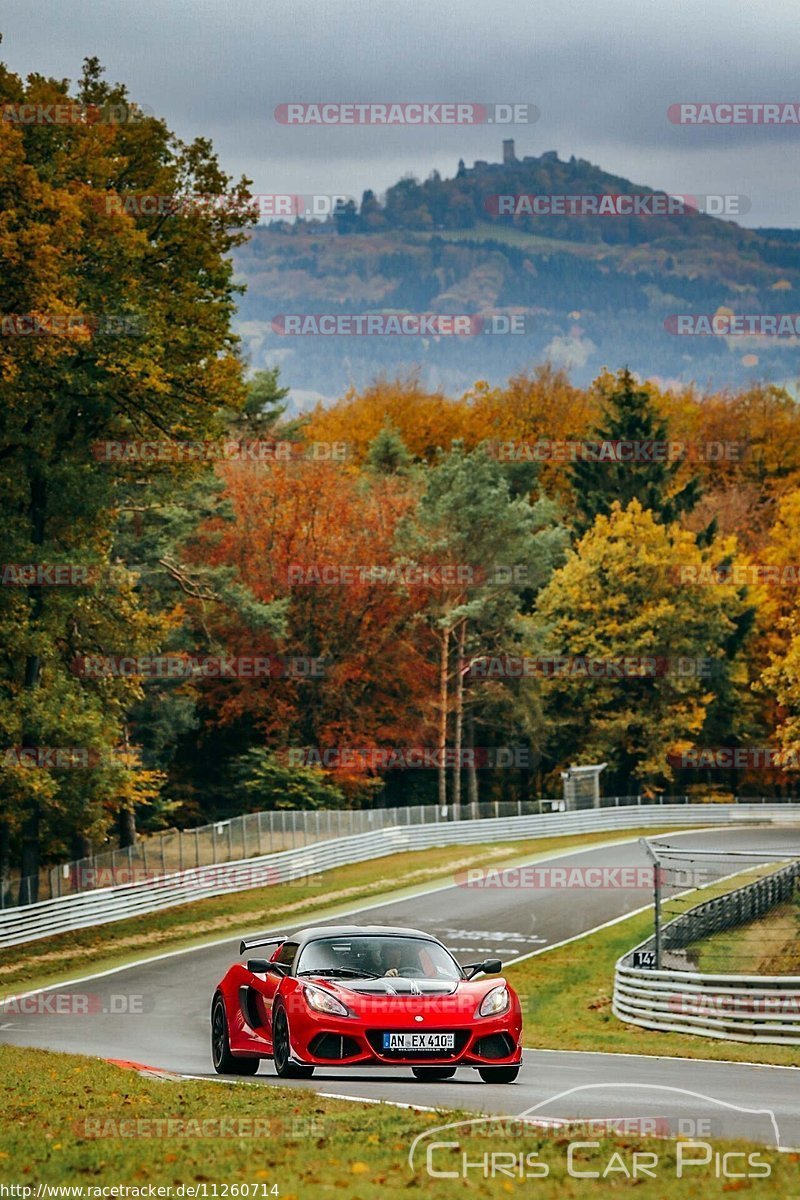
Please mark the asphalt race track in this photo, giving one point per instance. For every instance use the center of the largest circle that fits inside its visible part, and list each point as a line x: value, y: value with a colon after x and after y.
x: 157, y: 1013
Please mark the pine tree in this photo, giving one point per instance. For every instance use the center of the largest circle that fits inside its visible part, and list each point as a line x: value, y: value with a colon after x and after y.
x: 629, y: 416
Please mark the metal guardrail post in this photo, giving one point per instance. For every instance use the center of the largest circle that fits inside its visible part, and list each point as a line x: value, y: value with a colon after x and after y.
x: 657, y: 935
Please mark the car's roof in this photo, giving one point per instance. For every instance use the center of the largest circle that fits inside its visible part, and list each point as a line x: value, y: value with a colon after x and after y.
x: 313, y: 933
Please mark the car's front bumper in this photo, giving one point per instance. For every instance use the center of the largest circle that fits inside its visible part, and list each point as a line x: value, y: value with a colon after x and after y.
x: 323, y: 1040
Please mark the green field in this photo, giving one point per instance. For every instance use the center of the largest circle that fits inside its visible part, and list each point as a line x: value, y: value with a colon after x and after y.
x: 77, y: 1121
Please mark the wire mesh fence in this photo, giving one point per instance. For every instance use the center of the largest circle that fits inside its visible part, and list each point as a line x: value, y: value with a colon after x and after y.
x: 248, y: 836
x: 269, y: 832
x: 731, y: 912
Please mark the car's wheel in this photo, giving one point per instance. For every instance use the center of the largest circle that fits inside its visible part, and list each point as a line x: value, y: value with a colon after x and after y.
x: 432, y: 1074
x: 499, y: 1074
x: 281, y: 1049
x: 224, y: 1061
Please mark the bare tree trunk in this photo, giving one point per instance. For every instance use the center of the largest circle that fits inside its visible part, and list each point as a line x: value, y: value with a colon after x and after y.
x: 81, y: 846
x: 443, y: 666
x: 5, y: 859
x: 29, y: 858
x: 472, y: 774
x: 126, y: 817
x: 462, y: 637
x: 126, y: 824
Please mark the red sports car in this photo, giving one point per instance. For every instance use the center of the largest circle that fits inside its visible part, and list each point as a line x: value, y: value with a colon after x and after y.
x: 357, y: 996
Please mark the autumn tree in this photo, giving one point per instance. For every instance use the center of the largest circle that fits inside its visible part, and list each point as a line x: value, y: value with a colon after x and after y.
x: 318, y: 540
x: 631, y: 600
x: 482, y: 548
x: 130, y: 307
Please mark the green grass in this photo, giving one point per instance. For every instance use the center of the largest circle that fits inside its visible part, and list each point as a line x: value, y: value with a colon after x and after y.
x: 768, y: 946
x: 566, y: 995
x: 104, y: 946
x: 77, y: 1121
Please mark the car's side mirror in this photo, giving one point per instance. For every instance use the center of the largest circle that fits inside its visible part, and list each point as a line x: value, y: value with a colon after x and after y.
x: 263, y: 966
x: 490, y: 966
x: 259, y: 966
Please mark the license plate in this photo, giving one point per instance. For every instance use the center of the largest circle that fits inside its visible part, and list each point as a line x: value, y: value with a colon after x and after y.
x: 419, y: 1041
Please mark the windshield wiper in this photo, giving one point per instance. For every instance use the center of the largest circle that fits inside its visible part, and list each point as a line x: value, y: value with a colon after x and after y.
x: 357, y: 972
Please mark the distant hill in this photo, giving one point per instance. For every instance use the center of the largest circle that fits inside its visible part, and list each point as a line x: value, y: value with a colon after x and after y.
x: 591, y: 290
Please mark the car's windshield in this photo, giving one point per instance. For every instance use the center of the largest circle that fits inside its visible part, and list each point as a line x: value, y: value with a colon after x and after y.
x: 376, y: 956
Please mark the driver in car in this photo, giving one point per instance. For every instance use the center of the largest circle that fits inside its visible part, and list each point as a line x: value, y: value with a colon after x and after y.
x: 398, y: 957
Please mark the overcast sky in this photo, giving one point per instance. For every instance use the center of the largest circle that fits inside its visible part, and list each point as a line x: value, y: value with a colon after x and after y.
x: 601, y: 72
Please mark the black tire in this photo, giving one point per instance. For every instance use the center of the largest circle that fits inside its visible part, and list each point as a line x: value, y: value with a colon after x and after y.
x: 280, y: 1049
x: 499, y: 1074
x: 224, y: 1062
x: 433, y: 1074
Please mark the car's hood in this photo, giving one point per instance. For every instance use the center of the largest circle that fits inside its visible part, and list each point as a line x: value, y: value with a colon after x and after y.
x: 390, y: 994
x: 395, y: 986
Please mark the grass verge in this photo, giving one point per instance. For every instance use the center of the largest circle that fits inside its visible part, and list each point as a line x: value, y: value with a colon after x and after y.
x: 83, y: 1123
x: 768, y: 946
x: 105, y: 946
x: 566, y: 997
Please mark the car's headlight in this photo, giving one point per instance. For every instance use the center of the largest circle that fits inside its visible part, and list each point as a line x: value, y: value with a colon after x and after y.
x: 323, y: 1001
x: 494, y: 1002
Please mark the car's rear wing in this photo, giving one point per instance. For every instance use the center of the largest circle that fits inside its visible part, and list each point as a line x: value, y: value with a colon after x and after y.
x: 260, y: 939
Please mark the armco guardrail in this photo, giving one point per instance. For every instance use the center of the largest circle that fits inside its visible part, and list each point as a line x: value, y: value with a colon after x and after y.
x: 734, y: 908
x: 235, y: 838
x: 49, y: 917
x: 741, y: 1008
